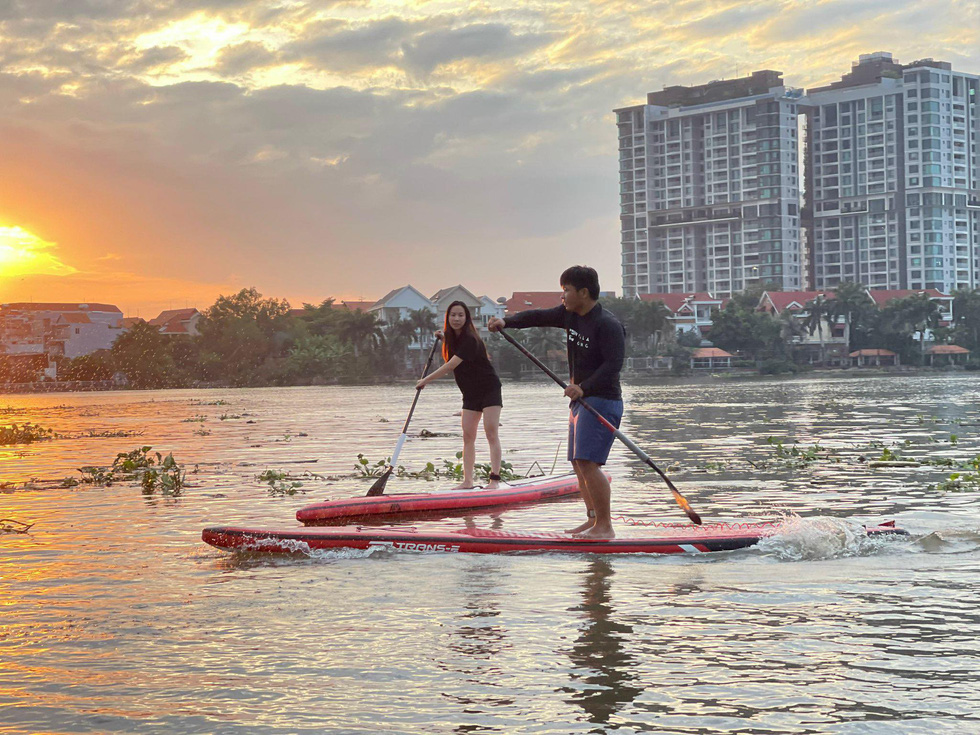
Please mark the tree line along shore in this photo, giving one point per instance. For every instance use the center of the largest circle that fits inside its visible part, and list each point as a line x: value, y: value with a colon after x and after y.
x: 247, y: 340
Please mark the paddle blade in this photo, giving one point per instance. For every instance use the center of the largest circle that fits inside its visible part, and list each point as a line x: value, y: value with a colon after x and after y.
x: 686, y: 507
x: 379, y: 485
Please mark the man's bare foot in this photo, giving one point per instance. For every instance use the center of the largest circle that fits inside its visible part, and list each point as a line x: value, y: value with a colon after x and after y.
x: 584, y: 527
x: 464, y: 486
x: 492, y: 485
x: 599, y: 532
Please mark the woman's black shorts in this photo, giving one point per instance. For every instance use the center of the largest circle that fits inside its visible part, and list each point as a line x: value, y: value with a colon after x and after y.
x: 491, y: 397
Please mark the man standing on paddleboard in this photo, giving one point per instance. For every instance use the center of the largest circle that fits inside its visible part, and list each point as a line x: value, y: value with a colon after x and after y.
x: 596, y: 347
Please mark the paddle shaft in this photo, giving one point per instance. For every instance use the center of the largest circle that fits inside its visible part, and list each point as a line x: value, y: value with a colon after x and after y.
x: 408, y: 419
x: 681, y: 500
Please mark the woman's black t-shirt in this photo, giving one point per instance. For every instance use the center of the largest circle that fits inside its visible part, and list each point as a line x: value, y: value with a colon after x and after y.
x: 475, y: 375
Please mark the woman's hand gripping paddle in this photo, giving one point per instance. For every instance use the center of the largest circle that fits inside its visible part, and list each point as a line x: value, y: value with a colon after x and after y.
x: 680, y: 499
x: 379, y: 485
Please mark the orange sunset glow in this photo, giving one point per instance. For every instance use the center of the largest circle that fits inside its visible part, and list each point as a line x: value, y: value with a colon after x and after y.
x: 156, y: 154
x: 23, y: 253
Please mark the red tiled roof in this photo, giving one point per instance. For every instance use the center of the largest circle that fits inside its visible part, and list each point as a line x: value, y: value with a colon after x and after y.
x: 782, y: 300
x: 701, y: 352
x: 132, y: 321
x: 174, y: 326
x: 354, y: 305
x: 883, y: 296
x: 674, y: 301
x: 49, y: 306
x: 524, y: 300
x: 875, y: 352
x: 171, y: 314
x: 948, y: 350
x: 73, y: 317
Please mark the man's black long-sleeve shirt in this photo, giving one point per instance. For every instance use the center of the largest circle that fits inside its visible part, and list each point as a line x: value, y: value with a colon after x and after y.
x: 596, y: 345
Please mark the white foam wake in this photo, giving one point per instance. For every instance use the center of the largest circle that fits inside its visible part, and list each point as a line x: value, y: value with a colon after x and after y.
x: 800, y: 539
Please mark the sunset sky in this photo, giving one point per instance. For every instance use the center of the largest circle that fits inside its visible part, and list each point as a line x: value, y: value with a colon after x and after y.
x: 155, y: 154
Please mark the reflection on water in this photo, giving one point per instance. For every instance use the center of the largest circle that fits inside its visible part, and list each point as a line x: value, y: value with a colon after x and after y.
x: 114, y: 617
x: 603, y: 679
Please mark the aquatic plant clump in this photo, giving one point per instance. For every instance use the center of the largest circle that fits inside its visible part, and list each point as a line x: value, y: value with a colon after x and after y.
x: 281, y: 483
x: 24, y: 434
x: 962, y: 481
x: 366, y: 469
x: 153, y: 472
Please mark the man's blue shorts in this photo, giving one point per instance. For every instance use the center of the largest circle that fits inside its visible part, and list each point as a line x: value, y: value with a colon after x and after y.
x: 587, y: 438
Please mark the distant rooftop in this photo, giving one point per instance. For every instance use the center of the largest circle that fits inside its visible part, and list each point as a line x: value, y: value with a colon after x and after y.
x: 60, y: 306
x: 759, y: 82
x: 872, y: 68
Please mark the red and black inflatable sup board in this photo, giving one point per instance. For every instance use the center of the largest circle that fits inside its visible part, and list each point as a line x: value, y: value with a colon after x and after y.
x: 668, y: 539
x: 533, y: 490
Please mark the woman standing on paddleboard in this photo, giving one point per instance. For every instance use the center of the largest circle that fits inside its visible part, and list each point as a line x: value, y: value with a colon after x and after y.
x: 466, y: 358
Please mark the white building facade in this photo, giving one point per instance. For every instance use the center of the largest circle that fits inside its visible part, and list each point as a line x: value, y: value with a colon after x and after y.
x: 709, y: 188
x: 58, y: 329
x: 893, y: 178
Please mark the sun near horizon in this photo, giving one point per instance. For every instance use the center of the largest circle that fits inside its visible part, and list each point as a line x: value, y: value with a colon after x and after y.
x: 23, y: 253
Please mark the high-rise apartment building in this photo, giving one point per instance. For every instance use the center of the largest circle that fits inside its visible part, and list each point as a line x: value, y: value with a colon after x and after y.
x: 709, y: 187
x: 892, y: 177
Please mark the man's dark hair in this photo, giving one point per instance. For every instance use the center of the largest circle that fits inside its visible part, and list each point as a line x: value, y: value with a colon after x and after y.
x: 581, y: 276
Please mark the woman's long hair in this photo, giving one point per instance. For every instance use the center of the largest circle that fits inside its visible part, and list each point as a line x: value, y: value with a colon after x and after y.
x: 451, y: 340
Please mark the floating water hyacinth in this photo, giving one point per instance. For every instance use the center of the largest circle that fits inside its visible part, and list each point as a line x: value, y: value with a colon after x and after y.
x: 24, y: 434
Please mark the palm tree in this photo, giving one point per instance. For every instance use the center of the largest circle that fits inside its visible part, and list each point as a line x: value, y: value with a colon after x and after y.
x: 361, y: 329
x: 423, y: 321
x: 851, y: 301
x: 650, y: 320
x: 966, y: 308
x: 321, y: 318
x: 399, y: 334
x: 820, y: 311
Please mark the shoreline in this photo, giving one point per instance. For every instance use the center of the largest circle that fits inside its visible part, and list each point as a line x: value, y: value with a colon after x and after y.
x: 628, y: 378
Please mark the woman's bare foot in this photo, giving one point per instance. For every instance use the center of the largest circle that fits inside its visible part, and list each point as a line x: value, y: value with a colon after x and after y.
x: 492, y: 485
x: 464, y: 486
x: 599, y: 532
x: 584, y: 527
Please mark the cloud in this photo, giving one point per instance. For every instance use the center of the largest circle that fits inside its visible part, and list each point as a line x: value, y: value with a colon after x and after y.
x: 154, y: 58
x: 432, y: 49
x: 292, y: 143
x: 339, y: 46
x: 245, y: 57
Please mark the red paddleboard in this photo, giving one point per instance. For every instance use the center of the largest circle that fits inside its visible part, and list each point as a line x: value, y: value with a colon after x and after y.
x: 665, y: 539
x: 533, y: 490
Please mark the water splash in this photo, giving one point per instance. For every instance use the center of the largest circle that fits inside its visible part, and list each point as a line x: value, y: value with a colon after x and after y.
x: 810, y: 539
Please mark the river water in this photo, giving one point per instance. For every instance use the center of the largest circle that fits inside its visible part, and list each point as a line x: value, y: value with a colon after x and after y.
x: 115, y: 617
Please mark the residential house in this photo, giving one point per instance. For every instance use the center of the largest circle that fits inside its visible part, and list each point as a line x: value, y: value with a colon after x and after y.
x: 526, y: 300
x: 689, y: 312
x: 354, y: 305
x: 178, y: 321
x: 56, y: 329
x: 490, y: 308
x: 399, y: 304
x: 828, y: 344
x: 482, y: 308
x: 882, y: 297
